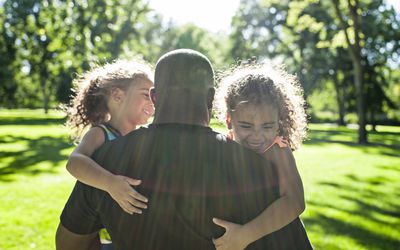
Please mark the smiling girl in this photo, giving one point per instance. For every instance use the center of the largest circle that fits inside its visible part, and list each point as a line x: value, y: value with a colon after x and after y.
x: 264, y: 111
x: 110, y: 101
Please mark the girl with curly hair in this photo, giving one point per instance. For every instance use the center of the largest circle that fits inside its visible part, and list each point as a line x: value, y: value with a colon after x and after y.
x: 110, y: 101
x: 264, y: 110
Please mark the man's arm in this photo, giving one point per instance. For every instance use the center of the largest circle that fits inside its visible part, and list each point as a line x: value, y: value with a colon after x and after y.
x: 79, y: 220
x: 67, y: 240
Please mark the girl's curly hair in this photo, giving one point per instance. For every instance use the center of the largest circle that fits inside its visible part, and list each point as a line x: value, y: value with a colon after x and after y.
x: 88, y: 107
x: 264, y: 84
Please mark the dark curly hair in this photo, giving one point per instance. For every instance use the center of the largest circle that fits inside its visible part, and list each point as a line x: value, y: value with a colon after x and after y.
x: 88, y: 106
x: 264, y: 84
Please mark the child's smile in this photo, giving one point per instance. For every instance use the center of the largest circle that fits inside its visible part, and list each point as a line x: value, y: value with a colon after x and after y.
x: 138, y: 104
x: 255, y: 126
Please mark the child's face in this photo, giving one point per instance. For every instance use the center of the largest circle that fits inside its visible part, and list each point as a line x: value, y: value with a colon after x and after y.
x: 137, y: 103
x: 255, y: 126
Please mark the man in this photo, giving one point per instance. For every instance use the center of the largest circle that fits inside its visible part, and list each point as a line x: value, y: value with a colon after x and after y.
x: 189, y: 173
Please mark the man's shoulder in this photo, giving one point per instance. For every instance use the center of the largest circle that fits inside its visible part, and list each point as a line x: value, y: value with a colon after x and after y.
x: 229, y: 149
x: 121, y: 142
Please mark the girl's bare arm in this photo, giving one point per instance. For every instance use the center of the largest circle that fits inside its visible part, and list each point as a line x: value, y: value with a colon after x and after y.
x: 291, y: 202
x: 279, y: 214
x: 87, y: 171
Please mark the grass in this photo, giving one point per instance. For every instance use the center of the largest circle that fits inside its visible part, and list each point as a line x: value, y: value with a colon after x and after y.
x: 33, y: 183
x: 351, y: 190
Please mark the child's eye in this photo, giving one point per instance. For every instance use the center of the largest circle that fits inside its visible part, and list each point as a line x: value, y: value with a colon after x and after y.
x: 245, y: 126
x: 267, y: 127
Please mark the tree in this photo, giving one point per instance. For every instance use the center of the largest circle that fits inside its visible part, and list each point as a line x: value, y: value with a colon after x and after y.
x: 52, y: 39
x: 354, y: 48
x: 317, y: 39
x: 8, y: 52
x: 170, y: 36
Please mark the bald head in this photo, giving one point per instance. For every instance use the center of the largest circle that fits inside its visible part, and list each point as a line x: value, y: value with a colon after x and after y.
x: 184, y: 69
x: 183, y: 88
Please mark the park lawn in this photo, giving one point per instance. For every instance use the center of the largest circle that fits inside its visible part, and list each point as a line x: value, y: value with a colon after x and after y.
x: 351, y: 191
x: 33, y: 182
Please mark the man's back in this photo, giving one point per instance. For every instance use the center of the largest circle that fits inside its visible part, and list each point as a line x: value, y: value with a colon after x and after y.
x: 190, y: 175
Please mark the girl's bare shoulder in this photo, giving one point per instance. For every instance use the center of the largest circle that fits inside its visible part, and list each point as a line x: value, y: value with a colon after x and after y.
x: 93, y: 138
x: 279, y: 155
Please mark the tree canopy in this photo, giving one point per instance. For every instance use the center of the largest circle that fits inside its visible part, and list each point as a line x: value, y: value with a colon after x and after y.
x: 345, y: 50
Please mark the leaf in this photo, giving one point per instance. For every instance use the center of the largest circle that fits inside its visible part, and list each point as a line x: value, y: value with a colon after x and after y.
x: 307, y: 22
x: 55, y: 45
x: 339, y: 40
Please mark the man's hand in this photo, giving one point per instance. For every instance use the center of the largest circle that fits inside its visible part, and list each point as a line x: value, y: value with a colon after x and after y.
x: 120, y: 189
x: 234, y: 237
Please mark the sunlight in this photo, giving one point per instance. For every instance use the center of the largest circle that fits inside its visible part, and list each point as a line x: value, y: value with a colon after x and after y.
x: 212, y: 15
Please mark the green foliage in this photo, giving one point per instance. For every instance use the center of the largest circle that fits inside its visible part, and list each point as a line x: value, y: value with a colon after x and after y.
x: 54, y: 40
x: 167, y: 37
x: 45, y: 44
x: 308, y: 37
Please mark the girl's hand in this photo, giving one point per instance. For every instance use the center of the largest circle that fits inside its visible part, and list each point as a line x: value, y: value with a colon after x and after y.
x: 127, y: 198
x: 233, y: 238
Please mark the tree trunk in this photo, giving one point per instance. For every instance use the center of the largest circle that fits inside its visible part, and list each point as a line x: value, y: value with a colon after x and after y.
x: 355, y: 54
x: 45, y: 94
x: 339, y: 100
x: 362, y: 132
x: 372, y: 120
x: 43, y: 74
x: 46, y: 105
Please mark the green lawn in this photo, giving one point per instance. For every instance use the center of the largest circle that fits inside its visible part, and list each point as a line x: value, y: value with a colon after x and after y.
x: 352, y: 191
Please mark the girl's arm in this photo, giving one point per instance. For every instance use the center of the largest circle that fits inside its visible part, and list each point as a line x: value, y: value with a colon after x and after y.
x: 279, y: 214
x: 86, y: 170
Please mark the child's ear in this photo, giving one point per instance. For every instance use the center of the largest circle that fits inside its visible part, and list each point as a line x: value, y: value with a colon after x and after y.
x: 228, y: 121
x: 153, y: 98
x: 116, y: 94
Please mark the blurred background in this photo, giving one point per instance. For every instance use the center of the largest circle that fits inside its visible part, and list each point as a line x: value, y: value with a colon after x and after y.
x: 45, y: 44
x: 346, y: 54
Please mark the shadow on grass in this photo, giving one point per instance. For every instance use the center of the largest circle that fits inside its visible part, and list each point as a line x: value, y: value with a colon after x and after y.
x: 365, y: 208
x: 44, y: 149
x: 30, y: 121
x: 367, y: 238
x: 369, y: 202
x: 391, y: 168
x: 382, y: 143
x: 350, y: 136
x: 376, y: 180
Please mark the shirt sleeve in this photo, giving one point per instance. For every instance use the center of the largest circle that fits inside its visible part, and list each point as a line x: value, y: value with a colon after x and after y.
x: 79, y: 214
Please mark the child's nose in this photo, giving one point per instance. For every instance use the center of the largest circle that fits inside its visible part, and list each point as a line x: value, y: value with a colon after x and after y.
x: 257, y: 134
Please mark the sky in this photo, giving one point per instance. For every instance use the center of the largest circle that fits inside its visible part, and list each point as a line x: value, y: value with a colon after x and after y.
x: 214, y: 15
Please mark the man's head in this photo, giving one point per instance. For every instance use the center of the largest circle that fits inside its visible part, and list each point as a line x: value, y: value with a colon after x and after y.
x: 184, y: 87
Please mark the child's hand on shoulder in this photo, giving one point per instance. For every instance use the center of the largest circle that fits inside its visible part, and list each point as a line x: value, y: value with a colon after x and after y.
x: 234, y: 237
x: 121, y: 190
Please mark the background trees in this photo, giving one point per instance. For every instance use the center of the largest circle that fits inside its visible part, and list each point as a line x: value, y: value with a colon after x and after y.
x: 346, y: 53
x: 350, y: 44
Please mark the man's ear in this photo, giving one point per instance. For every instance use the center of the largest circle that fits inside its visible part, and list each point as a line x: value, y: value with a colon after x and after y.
x: 228, y: 121
x: 210, y: 97
x: 153, y: 95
